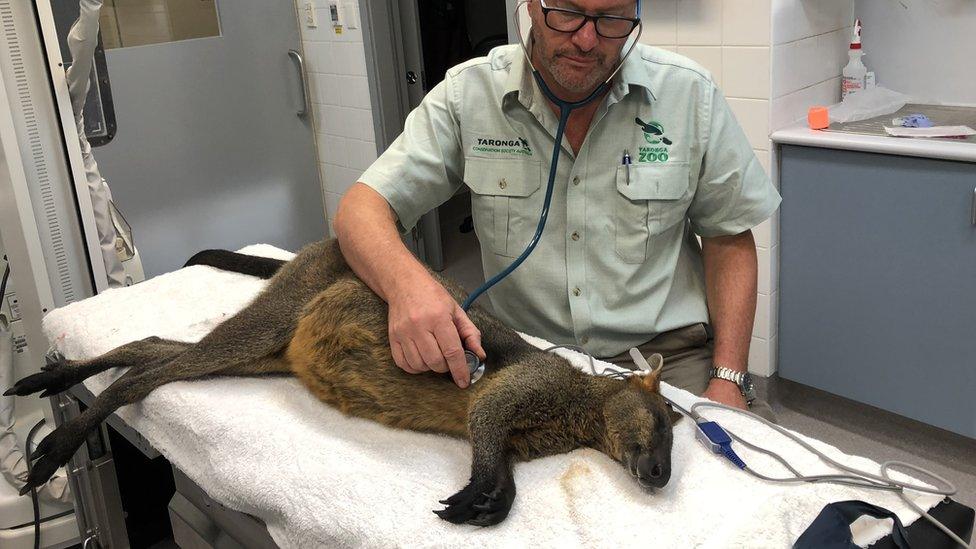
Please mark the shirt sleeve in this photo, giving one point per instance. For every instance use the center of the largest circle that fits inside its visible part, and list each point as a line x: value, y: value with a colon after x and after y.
x: 422, y: 168
x: 734, y: 193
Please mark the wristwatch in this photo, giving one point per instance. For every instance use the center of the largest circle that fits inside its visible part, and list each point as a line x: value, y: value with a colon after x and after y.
x: 742, y: 379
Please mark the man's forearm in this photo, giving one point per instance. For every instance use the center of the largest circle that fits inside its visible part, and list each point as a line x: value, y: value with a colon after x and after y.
x: 366, y: 229
x: 731, y: 270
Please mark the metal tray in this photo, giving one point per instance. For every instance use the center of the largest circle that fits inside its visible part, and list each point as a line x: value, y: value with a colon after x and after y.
x: 939, y: 114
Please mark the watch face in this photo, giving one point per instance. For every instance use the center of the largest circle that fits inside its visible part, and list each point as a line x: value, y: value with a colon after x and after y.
x: 747, y: 382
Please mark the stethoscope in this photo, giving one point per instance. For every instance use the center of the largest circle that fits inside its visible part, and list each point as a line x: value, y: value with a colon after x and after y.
x: 475, y: 366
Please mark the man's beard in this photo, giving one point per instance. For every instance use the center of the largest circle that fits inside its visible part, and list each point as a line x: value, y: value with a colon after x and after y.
x: 574, y: 80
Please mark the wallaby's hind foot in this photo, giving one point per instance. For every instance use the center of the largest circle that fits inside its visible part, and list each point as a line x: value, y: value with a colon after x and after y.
x: 59, y: 375
x: 50, y: 380
x: 483, y: 502
x: 183, y: 361
x: 53, y: 452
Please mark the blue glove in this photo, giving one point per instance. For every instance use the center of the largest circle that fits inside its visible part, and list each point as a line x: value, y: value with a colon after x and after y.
x: 913, y: 121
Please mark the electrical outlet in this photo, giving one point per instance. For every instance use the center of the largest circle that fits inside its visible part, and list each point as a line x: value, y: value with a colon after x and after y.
x: 311, y: 20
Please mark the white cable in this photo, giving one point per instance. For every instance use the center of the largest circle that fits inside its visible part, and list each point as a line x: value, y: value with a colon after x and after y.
x: 884, y: 472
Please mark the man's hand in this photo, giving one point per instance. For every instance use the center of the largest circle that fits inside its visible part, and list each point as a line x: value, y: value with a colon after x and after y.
x: 427, y: 328
x: 725, y: 392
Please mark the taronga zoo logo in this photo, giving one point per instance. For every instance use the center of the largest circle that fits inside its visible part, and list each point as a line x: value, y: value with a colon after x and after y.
x: 654, y: 135
x: 518, y: 146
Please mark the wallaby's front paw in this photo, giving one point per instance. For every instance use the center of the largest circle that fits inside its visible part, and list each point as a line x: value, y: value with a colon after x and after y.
x: 53, y: 452
x: 481, y: 503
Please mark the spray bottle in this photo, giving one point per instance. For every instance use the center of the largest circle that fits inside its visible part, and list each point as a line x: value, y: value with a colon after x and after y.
x: 855, y: 73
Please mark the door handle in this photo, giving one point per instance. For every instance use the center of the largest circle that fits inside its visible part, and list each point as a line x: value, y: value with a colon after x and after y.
x: 974, y: 207
x: 306, y: 107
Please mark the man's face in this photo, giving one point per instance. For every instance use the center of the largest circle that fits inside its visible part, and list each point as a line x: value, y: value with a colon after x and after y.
x: 578, y: 61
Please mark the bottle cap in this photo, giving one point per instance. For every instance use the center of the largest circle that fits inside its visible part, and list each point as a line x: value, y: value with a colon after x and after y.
x: 856, y: 40
x: 818, y: 118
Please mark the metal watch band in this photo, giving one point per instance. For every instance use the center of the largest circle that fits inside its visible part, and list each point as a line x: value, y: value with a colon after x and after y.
x: 741, y: 379
x: 728, y: 374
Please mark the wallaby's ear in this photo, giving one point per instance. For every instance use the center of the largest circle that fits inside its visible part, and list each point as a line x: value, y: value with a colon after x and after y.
x: 651, y: 382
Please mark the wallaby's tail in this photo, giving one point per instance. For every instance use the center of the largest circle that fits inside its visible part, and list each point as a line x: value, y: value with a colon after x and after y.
x: 261, y: 267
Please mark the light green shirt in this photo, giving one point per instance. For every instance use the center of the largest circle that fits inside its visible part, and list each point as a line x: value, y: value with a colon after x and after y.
x: 618, y: 262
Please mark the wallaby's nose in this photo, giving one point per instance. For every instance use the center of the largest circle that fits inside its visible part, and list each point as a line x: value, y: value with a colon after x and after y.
x: 652, y: 472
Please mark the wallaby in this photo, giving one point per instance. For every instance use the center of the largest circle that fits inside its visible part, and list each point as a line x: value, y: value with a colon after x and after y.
x: 318, y: 321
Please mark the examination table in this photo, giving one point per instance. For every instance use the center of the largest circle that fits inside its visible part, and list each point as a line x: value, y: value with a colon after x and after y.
x: 259, y: 462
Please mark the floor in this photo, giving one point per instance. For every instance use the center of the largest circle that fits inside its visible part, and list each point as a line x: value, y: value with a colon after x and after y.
x: 853, y: 427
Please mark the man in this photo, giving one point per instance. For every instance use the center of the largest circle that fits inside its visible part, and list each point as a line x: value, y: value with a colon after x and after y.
x: 618, y: 265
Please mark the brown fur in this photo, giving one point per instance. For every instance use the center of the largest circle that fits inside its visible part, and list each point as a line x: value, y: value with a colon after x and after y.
x: 330, y: 330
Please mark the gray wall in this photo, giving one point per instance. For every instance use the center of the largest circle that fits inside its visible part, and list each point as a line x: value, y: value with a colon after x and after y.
x: 924, y: 48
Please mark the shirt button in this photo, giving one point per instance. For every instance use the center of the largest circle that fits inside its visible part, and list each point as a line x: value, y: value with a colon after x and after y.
x: 502, y: 184
x: 575, y: 236
x: 576, y: 181
x: 577, y: 292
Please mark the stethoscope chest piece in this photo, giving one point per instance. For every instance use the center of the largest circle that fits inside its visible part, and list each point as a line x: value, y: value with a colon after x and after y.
x: 475, y: 366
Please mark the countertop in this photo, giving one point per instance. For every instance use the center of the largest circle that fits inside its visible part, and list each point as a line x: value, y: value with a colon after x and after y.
x: 847, y: 137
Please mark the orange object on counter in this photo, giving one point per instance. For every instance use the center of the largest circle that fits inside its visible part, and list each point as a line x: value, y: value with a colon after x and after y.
x: 818, y: 118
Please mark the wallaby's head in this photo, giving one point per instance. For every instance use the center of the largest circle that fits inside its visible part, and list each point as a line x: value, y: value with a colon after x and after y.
x: 638, y: 429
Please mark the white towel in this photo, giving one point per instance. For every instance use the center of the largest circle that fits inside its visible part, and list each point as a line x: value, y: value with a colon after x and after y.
x: 320, y: 479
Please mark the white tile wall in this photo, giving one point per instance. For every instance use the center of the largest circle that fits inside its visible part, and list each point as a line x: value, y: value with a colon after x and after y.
x: 660, y: 25
x: 341, y: 108
x: 809, y: 61
x: 746, y: 72
x: 797, y: 19
x: 699, y: 22
x: 745, y: 22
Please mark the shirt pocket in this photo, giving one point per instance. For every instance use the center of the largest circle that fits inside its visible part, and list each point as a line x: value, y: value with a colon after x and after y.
x: 649, y: 200
x: 505, y: 202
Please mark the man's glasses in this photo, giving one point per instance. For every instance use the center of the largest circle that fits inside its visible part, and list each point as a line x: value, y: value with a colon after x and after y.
x: 607, y: 26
